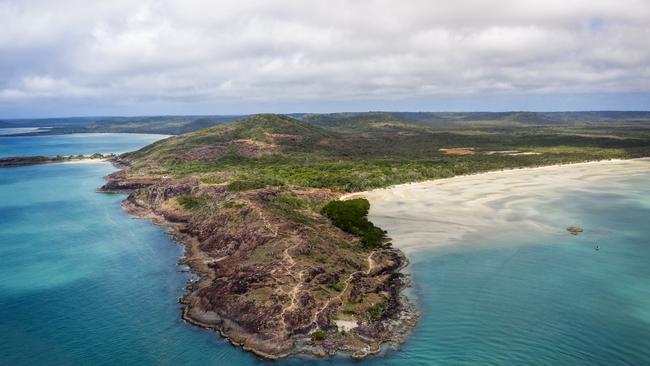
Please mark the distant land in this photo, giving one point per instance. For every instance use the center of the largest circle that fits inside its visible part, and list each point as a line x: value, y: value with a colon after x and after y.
x: 174, y: 125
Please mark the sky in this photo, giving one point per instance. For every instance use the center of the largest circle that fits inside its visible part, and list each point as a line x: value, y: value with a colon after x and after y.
x: 83, y: 58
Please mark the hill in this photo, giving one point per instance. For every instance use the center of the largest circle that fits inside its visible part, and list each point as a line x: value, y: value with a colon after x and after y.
x: 373, y: 151
x: 249, y: 137
x: 174, y: 125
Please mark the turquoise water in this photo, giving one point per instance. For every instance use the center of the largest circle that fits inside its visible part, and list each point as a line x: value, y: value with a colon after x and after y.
x: 81, y: 283
x: 74, y: 144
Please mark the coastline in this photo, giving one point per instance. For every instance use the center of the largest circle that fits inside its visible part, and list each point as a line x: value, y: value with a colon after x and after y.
x: 449, y: 211
x: 400, y: 324
x: 13, y: 162
x: 490, y: 172
x: 396, y: 326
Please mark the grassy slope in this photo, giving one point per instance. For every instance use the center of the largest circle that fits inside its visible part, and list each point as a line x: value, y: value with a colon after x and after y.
x: 366, y: 152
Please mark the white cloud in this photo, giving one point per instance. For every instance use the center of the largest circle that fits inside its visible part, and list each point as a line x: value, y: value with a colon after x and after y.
x: 288, y: 51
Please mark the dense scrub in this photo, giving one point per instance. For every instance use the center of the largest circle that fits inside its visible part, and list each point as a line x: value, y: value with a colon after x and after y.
x: 189, y: 202
x: 351, y: 216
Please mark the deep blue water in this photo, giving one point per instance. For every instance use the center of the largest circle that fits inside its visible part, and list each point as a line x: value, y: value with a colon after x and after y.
x: 81, y: 283
x: 74, y: 144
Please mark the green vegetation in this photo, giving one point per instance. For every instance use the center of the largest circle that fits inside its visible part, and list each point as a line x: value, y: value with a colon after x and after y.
x: 292, y: 209
x: 212, y: 180
x: 351, y: 216
x: 345, y: 245
x: 365, y: 151
x: 253, y: 182
x: 377, y: 310
x: 189, y: 202
x: 318, y: 335
x: 232, y: 204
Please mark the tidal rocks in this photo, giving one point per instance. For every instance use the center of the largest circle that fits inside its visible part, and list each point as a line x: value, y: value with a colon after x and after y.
x: 574, y: 230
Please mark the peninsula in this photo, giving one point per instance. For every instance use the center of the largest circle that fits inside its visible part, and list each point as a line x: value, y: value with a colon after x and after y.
x: 284, y: 266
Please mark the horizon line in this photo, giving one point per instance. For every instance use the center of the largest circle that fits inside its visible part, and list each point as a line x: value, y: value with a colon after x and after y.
x: 323, y: 113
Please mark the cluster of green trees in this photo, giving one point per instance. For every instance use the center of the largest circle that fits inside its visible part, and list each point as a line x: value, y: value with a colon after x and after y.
x: 377, y: 310
x: 351, y: 216
x: 318, y: 335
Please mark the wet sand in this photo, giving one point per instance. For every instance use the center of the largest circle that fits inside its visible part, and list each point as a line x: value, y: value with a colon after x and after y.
x: 448, y: 211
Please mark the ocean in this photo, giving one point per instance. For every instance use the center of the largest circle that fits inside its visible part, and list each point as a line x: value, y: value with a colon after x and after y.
x: 73, y: 144
x: 82, y: 283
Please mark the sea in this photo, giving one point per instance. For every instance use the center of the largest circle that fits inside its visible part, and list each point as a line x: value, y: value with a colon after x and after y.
x: 83, y: 283
x: 72, y: 144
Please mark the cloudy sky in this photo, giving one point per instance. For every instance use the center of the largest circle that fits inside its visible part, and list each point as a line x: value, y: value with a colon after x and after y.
x: 68, y: 57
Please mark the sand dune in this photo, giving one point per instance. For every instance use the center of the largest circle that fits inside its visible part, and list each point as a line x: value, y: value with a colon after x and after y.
x: 448, y: 211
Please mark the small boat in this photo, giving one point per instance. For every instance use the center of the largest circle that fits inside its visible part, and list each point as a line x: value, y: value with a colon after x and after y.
x: 597, y: 247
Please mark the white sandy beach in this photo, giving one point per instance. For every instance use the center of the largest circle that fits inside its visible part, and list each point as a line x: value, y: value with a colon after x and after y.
x: 83, y: 161
x: 447, y: 211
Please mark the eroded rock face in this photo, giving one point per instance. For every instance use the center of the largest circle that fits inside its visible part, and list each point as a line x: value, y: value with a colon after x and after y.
x: 273, y: 274
x: 119, y: 182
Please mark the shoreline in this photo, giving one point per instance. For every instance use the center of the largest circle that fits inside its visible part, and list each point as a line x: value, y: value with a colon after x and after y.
x: 490, y: 172
x: 13, y: 162
x: 449, y: 211
x: 398, y: 325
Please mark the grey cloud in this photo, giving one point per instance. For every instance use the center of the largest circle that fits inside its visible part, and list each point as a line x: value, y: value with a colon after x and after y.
x: 287, y: 51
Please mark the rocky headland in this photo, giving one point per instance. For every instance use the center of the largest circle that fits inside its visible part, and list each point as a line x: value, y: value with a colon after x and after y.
x: 276, y: 277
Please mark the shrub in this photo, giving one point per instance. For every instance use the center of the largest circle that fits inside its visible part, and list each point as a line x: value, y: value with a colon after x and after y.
x: 318, y: 335
x: 345, y: 245
x: 232, y: 204
x: 240, y: 185
x: 189, y: 202
x: 377, y: 310
x: 351, y: 216
x: 212, y: 180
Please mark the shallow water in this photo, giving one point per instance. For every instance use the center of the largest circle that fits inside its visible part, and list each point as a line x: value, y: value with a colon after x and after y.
x: 74, y: 144
x: 82, y: 283
x: 507, y: 296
